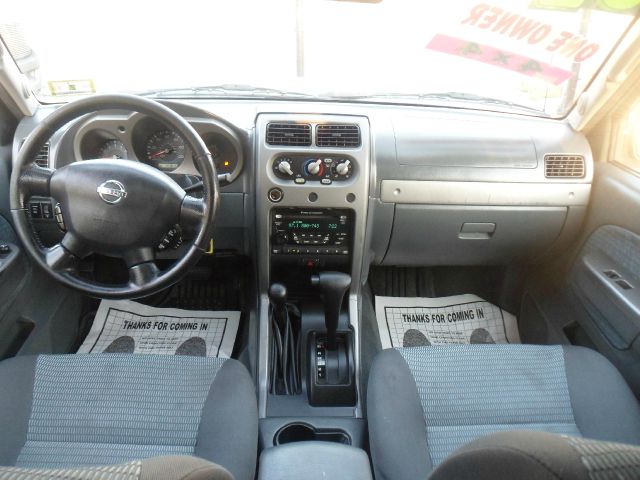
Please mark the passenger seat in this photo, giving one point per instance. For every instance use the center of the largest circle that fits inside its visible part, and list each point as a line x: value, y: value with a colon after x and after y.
x: 426, y: 402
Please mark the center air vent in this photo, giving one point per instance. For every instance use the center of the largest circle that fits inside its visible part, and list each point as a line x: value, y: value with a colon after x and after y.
x: 337, y: 135
x: 289, y: 134
x: 42, y: 157
x: 563, y: 166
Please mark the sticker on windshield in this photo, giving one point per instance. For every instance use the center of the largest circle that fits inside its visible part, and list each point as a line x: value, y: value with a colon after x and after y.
x: 499, y: 58
x: 71, y: 87
x: 528, y: 30
x: 522, y: 42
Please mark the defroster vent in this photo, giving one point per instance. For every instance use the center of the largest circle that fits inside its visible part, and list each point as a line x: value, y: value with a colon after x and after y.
x: 564, y: 166
x: 338, y: 135
x: 289, y: 134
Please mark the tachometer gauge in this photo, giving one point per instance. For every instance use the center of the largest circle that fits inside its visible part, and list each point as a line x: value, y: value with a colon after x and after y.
x: 223, y: 156
x: 114, y: 149
x: 165, y: 150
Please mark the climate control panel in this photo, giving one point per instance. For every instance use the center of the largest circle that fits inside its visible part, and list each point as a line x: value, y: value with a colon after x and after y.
x: 304, y: 168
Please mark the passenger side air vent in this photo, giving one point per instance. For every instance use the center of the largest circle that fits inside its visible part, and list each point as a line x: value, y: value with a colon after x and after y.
x: 564, y: 166
x: 340, y: 136
x: 289, y: 134
x: 42, y: 158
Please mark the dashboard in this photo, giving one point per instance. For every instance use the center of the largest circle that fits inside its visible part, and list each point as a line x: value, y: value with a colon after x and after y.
x: 423, y: 185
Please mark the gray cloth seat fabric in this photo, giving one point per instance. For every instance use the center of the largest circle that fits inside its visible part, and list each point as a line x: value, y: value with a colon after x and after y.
x: 425, y: 402
x: 541, y: 456
x: 66, y: 411
x: 159, y: 468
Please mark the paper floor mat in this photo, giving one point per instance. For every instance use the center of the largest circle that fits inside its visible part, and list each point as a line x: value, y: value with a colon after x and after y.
x: 129, y: 327
x: 416, y: 321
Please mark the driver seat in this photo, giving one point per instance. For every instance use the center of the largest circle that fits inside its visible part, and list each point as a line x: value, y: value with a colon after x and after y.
x: 60, y: 411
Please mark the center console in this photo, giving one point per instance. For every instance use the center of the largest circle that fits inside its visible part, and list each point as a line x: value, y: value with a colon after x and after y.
x: 314, y: 460
x: 312, y: 186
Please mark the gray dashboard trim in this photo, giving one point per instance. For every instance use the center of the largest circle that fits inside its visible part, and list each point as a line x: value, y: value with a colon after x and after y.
x: 484, y: 193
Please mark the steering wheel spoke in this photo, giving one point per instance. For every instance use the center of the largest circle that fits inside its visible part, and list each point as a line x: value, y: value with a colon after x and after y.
x: 143, y: 273
x: 35, y: 180
x: 141, y: 265
x: 59, y: 259
x: 191, y: 214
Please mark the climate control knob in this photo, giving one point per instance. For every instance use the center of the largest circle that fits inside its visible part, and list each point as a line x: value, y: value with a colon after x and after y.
x: 315, y: 167
x: 343, y: 168
x: 285, y: 168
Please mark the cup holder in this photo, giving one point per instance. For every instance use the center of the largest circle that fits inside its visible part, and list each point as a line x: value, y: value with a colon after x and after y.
x: 303, y: 432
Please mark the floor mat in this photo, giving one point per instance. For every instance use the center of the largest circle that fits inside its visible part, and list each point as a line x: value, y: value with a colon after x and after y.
x: 417, y: 321
x: 129, y: 327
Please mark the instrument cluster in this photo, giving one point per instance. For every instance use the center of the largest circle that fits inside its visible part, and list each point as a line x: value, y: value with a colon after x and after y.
x: 143, y: 139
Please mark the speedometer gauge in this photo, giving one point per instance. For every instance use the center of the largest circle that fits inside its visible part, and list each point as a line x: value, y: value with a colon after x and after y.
x: 165, y: 150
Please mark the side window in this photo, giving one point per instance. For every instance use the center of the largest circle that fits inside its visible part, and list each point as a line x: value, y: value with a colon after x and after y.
x: 627, y: 148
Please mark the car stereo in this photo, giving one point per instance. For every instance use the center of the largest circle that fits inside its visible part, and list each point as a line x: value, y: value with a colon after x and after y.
x: 311, y: 237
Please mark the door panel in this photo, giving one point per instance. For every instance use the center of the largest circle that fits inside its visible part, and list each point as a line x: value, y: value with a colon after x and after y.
x: 605, y: 278
x: 37, y: 315
x: 604, y: 283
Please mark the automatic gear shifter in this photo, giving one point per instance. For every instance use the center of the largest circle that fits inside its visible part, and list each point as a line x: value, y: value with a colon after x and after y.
x: 333, y: 285
x: 330, y: 357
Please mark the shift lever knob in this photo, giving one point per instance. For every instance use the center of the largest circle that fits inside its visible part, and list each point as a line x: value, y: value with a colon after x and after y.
x: 333, y: 285
x: 278, y: 294
x: 278, y: 297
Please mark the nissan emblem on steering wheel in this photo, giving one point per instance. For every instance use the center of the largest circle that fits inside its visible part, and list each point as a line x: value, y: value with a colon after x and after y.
x: 112, y: 191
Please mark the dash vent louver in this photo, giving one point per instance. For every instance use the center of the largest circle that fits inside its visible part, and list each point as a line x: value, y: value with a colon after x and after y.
x: 289, y: 134
x: 564, y: 166
x: 338, y: 135
x: 42, y: 157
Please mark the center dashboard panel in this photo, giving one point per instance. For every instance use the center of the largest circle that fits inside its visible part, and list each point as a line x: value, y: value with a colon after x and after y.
x: 312, y: 193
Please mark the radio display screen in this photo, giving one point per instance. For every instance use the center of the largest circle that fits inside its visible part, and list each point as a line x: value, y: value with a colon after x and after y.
x: 313, y: 224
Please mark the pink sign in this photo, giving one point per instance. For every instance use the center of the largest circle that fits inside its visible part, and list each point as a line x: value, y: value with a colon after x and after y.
x: 499, y: 58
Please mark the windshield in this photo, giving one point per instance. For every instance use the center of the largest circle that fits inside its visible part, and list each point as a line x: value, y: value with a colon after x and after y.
x: 533, y: 56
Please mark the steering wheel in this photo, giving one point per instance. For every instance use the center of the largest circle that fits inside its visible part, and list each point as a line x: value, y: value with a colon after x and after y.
x: 115, y: 208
